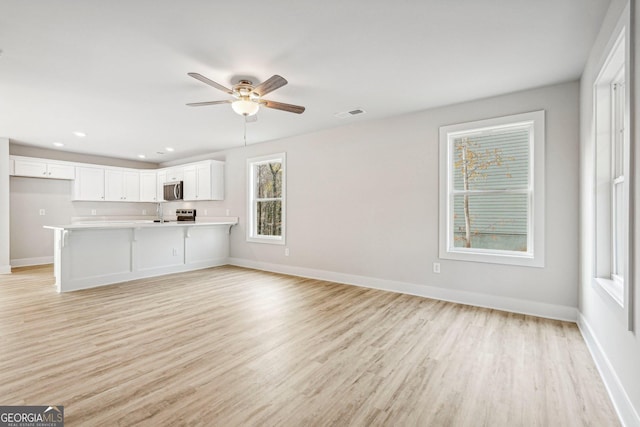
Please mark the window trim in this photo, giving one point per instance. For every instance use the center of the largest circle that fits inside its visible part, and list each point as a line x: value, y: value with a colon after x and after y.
x: 613, y: 69
x: 535, y: 257
x: 252, y: 235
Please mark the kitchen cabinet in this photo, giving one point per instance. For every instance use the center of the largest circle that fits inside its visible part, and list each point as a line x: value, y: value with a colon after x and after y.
x: 121, y: 185
x: 190, y: 184
x: 204, y: 181
x: 174, y: 174
x: 161, y: 178
x: 89, y: 183
x: 42, y: 169
x: 148, y: 186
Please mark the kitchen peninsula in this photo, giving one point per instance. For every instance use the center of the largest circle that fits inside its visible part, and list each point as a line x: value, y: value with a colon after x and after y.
x: 95, y: 254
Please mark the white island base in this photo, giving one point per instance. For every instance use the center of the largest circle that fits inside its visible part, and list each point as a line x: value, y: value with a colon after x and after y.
x: 90, y: 255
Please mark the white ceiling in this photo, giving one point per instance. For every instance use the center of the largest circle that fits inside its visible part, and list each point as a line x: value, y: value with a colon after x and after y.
x: 117, y: 70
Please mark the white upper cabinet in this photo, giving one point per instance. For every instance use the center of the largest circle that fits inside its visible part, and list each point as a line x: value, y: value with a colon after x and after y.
x: 39, y: 168
x: 174, y: 174
x: 204, y: 181
x: 121, y: 185
x: 190, y: 184
x: 148, y: 186
x: 161, y: 178
x: 89, y: 183
x: 131, y: 190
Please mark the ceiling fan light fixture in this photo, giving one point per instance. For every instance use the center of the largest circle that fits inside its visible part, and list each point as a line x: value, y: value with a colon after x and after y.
x: 247, y: 97
x: 244, y: 107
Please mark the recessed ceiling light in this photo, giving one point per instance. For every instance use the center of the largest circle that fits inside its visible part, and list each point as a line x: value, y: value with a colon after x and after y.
x: 58, y: 144
x: 80, y: 134
x: 169, y: 149
x: 141, y: 156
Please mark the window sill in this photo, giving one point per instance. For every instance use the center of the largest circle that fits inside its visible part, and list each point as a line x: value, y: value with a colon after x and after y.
x: 524, y: 260
x: 614, y: 288
x: 267, y: 240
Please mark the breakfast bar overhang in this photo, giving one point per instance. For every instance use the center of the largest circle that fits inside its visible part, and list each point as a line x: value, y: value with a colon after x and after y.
x: 90, y: 255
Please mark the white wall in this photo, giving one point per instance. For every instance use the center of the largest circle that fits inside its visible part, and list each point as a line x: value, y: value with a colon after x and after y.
x: 603, y: 323
x: 5, y: 266
x: 363, y: 207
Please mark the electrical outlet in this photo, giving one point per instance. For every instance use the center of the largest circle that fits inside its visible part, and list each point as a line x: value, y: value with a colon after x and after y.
x: 286, y: 251
x: 228, y: 211
x: 42, y: 212
x: 144, y: 211
x: 175, y: 251
x: 94, y: 212
x: 436, y: 267
x: 206, y: 212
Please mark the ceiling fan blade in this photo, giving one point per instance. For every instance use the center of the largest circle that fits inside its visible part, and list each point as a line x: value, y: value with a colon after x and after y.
x: 200, y: 104
x: 210, y: 82
x: 284, y: 107
x: 270, y: 85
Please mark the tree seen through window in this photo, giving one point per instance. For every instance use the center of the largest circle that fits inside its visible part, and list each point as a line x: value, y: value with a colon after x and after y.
x: 491, y: 189
x: 269, y: 199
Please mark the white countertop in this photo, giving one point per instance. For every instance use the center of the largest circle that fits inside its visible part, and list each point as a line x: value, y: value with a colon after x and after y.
x: 230, y: 220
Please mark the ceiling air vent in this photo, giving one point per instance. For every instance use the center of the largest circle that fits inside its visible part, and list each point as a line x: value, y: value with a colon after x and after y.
x: 345, y: 114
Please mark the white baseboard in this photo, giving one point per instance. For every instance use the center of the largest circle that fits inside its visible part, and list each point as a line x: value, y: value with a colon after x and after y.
x: 76, y: 284
x: 5, y: 269
x: 24, y: 262
x: 624, y: 407
x: 514, y: 305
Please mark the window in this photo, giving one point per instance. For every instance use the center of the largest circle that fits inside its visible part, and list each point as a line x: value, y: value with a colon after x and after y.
x: 267, y: 199
x: 492, y: 190
x: 618, y: 222
x: 612, y: 174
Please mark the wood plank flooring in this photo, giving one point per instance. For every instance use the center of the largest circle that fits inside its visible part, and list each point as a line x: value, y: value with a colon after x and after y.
x: 235, y: 347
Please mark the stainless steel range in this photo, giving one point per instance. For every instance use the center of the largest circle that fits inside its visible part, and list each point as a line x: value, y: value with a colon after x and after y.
x: 186, y: 215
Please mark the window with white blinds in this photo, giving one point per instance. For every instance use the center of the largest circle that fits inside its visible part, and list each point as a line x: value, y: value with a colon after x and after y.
x: 488, y: 190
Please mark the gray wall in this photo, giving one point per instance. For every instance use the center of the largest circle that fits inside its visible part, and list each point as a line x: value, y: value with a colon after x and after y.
x: 5, y: 266
x: 604, y: 322
x: 30, y: 242
x: 43, y: 153
x: 363, y: 201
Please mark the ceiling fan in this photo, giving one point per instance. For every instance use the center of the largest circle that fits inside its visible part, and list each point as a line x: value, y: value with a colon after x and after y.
x: 247, y: 98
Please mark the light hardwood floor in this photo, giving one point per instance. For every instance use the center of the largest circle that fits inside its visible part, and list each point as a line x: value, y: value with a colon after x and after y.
x: 234, y: 347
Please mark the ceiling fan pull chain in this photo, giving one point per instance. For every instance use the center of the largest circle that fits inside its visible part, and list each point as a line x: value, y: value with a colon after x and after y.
x: 245, y: 131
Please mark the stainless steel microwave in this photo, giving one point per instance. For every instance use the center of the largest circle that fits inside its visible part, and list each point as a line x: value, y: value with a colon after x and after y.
x: 173, y: 190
